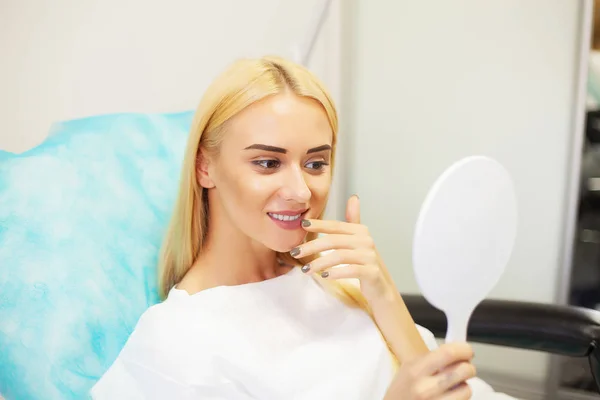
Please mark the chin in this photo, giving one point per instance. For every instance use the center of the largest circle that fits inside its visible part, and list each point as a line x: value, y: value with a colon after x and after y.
x: 285, y: 245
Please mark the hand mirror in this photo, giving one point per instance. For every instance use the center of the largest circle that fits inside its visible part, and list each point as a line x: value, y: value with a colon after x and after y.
x: 464, y: 237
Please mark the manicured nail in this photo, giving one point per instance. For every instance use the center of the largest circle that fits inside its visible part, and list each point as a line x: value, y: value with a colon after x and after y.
x: 305, y: 223
x: 324, y: 274
x: 295, y: 251
x: 305, y: 268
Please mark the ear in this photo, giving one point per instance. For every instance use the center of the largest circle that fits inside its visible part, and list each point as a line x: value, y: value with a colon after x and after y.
x: 202, y: 170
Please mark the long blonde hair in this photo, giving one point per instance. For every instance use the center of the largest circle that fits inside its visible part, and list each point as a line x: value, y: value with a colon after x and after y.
x: 242, y: 84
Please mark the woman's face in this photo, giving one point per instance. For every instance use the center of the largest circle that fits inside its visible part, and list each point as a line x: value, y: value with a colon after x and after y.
x: 273, y: 169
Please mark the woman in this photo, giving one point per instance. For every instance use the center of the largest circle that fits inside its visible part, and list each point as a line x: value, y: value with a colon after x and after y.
x: 252, y: 311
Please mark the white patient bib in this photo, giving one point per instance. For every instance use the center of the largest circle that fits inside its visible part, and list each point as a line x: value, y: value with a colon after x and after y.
x: 283, y: 338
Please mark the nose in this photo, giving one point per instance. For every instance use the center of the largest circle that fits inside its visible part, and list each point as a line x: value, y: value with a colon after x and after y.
x: 294, y: 187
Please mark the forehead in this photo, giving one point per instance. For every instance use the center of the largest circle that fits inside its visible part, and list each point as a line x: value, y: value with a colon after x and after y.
x: 285, y: 120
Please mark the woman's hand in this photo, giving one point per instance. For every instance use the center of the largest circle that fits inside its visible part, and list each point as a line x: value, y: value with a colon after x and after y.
x: 353, y: 247
x: 353, y: 253
x: 440, y: 375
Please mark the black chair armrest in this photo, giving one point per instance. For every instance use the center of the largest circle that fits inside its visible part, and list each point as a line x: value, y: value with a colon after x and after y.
x: 564, y: 330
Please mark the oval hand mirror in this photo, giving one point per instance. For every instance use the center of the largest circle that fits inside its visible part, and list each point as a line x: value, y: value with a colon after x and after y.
x: 464, y: 237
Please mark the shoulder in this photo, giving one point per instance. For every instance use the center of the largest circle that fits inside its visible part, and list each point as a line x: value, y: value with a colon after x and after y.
x: 157, y: 336
x: 157, y: 326
x: 144, y: 358
x: 157, y: 357
x: 165, y: 331
x: 160, y: 337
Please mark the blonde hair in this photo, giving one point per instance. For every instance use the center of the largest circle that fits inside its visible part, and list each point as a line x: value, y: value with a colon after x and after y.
x: 242, y: 84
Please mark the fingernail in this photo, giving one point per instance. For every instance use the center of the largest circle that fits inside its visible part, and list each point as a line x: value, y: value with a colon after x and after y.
x: 324, y: 274
x: 305, y: 223
x: 295, y: 251
x: 305, y: 268
x: 356, y: 196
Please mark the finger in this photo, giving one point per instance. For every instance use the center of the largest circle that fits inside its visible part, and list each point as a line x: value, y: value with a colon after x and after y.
x: 353, y: 210
x: 452, y: 376
x: 339, y: 257
x: 352, y: 271
x: 460, y: 392
x: 445, y: 381
x: 332, y: 227
x: 332, y: 242
x: 441, y: 358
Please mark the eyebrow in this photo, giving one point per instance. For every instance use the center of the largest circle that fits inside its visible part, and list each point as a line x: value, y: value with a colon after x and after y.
x: 281, y: 150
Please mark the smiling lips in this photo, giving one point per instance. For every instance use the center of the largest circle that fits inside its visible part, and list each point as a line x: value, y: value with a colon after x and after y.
x: 287, y: 219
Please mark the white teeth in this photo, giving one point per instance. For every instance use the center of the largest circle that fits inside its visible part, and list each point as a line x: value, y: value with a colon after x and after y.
x: 285, y: 217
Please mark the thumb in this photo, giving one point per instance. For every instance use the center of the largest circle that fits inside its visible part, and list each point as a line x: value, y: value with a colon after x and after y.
x: 353, y: 210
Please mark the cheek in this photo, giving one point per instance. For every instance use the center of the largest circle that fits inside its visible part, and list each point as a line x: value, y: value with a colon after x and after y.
x: 319, y: 188
x: 257, y: 184
x: 251, y: 191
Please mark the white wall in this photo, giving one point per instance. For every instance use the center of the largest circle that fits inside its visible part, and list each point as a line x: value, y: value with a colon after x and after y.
x: 425, y: 83
x: 71, y: 58
x: 434, y: 81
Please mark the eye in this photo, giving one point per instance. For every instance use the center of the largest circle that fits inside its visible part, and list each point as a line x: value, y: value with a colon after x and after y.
x: 316, y: 165
x: 267, y: 164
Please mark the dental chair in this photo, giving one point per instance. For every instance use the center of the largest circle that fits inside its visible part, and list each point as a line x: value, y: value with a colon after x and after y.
x: 559, y: 330
x: 82, y: 216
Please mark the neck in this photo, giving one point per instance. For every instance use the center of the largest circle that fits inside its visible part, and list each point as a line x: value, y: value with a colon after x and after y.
x: 229, y: 258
